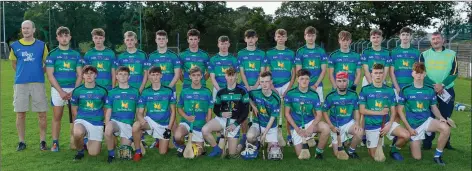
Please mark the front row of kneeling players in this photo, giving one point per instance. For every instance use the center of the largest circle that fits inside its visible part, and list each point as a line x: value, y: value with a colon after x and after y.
x: 303, y: 111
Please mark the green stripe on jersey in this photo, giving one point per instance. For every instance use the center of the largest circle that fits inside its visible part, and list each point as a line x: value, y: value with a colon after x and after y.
x: 65, y: 63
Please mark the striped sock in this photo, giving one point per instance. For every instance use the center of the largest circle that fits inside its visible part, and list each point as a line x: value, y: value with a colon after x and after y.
x: 138, y: 151
x: 319, y: 151
x: 111, y: 152
x: 438, y: 153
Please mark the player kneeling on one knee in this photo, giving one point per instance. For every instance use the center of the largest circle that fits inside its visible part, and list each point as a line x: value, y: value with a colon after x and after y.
x: 376, y: 100
x: 303, y: 110
x: 121, y: 108
x: 419, y: 101
x: 194, y: 106
x: 231, y: 109
x: 87, y: 107
x: 159, y: 102
x: 265, y: 104
x: 343, y: 118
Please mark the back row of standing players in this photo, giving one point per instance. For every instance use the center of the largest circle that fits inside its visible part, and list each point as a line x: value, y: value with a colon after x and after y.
x: 282, y: 62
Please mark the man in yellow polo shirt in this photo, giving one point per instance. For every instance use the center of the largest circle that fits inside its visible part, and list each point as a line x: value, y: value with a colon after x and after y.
x: 28, y: 55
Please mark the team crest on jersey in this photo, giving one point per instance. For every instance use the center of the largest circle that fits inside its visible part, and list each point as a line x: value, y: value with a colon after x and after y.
x: 163, y: 67
x: 252, y: 65
x: 263, y: 110
x: 343, y: 111
x: 378, y: 104
x: 131, y: 68
x: 157, y: 106
x: 346, y: 67
x: 124, y: 105
x: 90, y: 104
x: 405, y: 63
x: 280, y: 64
x: 66, y: 64
x: 223, y: 70
x: 99, y: 65
x: 311, y: 63
x: 419, y: 105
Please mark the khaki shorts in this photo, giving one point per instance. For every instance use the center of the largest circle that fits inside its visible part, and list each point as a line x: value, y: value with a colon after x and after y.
x: 21, y: 97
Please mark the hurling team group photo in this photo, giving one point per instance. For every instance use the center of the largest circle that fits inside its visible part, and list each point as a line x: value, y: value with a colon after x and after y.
x: 258, y: 103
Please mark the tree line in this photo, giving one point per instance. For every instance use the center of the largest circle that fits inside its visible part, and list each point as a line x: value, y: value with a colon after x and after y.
x: 214, y: 19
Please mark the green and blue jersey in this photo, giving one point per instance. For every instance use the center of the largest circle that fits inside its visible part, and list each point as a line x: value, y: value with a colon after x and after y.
x: 417, y: 103
x: 302, y: 105
x: 311, y: 60
x: 65, y: 64
x: 168, y: 62
x: 402, y: 62
x: 122, y: 103
x: 341, y: 107
x: 280, y: 63
x: 251, y: 62
x: 190, y: 59
x: 218, y: 66
x: 196, y: 102
x: 376, y: 99
x: 157, y: 104
x: 135, y: 63
x: 345, y: 62
x: 267, y: 107
x: 103, y: 60
x: 90, y: 102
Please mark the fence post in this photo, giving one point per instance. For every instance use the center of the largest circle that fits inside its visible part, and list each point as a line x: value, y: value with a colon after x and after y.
x: 451, y: 39
x: 419, y: 42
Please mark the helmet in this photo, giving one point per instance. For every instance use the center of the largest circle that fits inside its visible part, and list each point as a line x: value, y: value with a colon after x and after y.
x: 197, y: 149
x: 125, y: 152
x: 275, y: 152
x: 250, y: 152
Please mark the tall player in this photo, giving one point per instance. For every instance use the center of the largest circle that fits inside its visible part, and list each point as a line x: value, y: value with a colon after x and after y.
x: 375, y: 55
x: 280, y: 62
x: 345, y: 60
x: 376, y: 100
x: 101, y: 58
x: 219, y: 64
x: 169, y: 63
x: 312, y: 58
x: 193, y: 56
x: 134, y: 59
x: 251, y: 65
x: 64, y: 70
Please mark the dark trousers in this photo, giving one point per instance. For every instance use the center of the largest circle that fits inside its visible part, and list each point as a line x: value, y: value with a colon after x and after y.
x: 446, y: 111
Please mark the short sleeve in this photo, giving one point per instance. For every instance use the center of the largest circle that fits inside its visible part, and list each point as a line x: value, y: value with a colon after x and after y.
x: 275, y: 110
x: 109, y: 102
x: 142, y: 101
x: 402, y: 98
x: 176, y: 62
x: 324, y: 57
x: 327, y: 104
x: 287, y: 101
x: 180, y: 102
x: 172, y: 98
x: 50, y: 60
x: 80, y: 63
x: 298, y: 58
x: 331, y: 61
x: 75, y: 98
x: 362, y: 97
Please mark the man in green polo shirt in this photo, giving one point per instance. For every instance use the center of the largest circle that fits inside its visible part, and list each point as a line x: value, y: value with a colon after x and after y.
x: 441, y: 71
